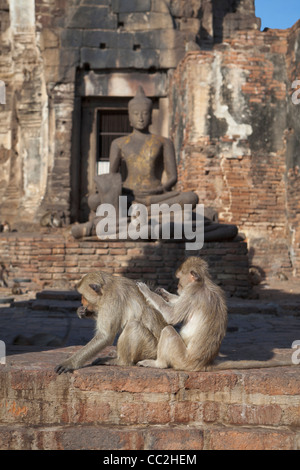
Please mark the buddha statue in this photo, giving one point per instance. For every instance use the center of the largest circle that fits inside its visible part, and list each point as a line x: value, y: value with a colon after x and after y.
x: 150, y: 173
x: 150, y: 164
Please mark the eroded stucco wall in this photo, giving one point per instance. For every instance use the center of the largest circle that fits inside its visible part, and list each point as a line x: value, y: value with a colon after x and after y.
x: 45, y: 43
x: 237, y: 136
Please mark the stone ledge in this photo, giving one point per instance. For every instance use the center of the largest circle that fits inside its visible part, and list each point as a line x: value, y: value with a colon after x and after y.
x: 81, y: 437
x: 135, y: 408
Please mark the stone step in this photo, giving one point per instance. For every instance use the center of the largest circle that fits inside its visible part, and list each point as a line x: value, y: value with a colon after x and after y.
x: 208, y: 409
x: 191, y: 438
x: 244, y: 307
x: 53, y: 305
x: 58, y: 295
x: 54, y: 301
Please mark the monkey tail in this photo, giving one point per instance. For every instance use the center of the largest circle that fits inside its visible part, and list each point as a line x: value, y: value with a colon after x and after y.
x: 226, y: 365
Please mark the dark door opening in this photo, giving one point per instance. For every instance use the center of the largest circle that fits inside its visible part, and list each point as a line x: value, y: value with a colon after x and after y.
x: 112, y: 123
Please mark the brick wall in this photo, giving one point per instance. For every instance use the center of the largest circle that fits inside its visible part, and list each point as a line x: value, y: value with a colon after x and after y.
x: 47, y: 259
x: 235, y: 130
x: 135, y: 408
x: 45, y: 43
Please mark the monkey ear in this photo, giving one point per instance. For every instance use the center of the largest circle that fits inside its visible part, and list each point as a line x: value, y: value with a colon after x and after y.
x: 96, y: 288
x: 196, y: 277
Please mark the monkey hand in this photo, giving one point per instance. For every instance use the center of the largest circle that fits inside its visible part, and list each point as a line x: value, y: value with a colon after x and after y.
x: 66, y: 366
x: 144, y: 289
x: 163, y: 293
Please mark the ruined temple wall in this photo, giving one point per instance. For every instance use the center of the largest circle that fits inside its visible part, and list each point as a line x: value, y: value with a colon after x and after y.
x: 24, y: 135
x: 234, y: 125
x: 293, y: 145
x: 44, y: 43
x: 232, y: 121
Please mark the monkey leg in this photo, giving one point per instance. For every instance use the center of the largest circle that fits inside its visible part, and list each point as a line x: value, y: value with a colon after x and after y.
x: 135, y: 344
x: 171, y: 351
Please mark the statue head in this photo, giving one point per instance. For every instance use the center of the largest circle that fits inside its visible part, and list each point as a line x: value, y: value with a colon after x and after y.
x: 140, y: 110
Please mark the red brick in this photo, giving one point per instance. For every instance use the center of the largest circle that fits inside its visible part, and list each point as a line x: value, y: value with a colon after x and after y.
x: 145, y: 413
x: 129, y: 379
x: 272, y: 382
x: 211, y: 412
x: 70, y: 438
x: 174, y: 439
x: 206, y: 381
x: 254, y: 415
x: 250, y: 439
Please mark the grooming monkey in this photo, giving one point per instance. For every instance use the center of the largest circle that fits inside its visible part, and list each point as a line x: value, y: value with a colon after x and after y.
x: 118, y: 306
x: 201, y: 309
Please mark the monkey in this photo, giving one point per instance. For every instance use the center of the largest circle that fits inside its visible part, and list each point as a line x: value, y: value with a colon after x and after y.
x: 5, y: 227
x: 16, y: 289
x: 201, y: 309
x: 3, y: 275
x: 118, y: 307
x: 53, y: 219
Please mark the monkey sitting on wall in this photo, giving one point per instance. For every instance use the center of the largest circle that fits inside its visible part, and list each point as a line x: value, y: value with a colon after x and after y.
x: 118, y: 306
x: 201, y: 310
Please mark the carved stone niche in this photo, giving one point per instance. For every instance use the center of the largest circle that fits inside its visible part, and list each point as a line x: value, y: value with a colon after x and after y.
x: 98, y: 93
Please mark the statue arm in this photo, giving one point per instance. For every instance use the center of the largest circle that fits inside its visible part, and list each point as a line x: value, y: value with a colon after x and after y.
x: 114, y: 157
x: 170, y: 164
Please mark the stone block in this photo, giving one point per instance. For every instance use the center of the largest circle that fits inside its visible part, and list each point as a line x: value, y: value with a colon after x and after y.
x: 96, y: 2
x: 69, y: 57
x: 171, y: 58
x: 50, y: 38
x: 254, y: 439
x: 108, y: 39
x: 130, y: 6
x: 112, y: 58
x: 161, y: 39
x: 92, y: 17
x: 71, y: 37
x: 146, y: 21
x: 97, y: 58
x: 51, y: 57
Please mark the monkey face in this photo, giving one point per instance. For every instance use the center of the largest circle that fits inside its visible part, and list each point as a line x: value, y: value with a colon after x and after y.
x: 86, y: 310
x: 185, y: 278
x: 183, y: 281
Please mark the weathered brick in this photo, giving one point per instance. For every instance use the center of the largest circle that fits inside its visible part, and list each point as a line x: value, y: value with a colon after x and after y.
x: 141, y: 413
x: 269, y: 415
x: 170, y: 439
x: 251, y: 439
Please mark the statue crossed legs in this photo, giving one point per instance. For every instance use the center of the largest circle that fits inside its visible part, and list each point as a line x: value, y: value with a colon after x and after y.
x: 150, y: 174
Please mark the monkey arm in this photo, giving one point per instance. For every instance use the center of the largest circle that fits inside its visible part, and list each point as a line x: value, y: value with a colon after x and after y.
x: 172, y: 298
x: 157, y: 302
x: 99, y: 342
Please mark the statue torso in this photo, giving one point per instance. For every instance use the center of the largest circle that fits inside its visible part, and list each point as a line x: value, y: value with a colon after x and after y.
x: 143, y: 156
